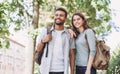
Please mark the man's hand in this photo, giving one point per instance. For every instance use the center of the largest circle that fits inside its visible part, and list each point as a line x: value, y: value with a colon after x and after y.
x: 72, y: 33
x: 47, y: 38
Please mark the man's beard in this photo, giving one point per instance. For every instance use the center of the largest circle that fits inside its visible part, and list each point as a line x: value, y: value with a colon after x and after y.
x: 59, y: 23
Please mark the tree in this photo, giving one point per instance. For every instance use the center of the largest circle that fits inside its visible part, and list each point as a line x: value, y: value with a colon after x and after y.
x: 96, y: 11
x: 10, y: 14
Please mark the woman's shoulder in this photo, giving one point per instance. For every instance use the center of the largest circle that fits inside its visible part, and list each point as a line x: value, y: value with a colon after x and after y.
x: 89, y: 30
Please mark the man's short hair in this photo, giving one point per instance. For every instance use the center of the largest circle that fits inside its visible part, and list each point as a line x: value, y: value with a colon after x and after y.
x: 62, y: 9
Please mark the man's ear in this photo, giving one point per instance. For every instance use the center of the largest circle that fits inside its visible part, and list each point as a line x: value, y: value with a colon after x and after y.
x: 66, y: 19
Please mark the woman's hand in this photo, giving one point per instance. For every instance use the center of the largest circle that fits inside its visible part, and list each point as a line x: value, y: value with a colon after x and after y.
x: 87, y: 71
x: 72, y: 33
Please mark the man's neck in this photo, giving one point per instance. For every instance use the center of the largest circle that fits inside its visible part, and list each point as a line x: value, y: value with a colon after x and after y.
x: 59, y: 27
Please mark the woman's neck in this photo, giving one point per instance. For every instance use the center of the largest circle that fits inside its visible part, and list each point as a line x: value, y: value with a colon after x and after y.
x: 81, y: 29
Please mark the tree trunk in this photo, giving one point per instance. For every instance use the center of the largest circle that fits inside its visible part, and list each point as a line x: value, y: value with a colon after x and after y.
x: 35, y: 25
x: 35, y: 14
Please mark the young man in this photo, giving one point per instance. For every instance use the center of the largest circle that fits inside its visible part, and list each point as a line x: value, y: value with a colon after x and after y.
x: 60, y: 49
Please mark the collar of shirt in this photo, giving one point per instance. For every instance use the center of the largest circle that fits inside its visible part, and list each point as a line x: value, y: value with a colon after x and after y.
x: 53, y: 29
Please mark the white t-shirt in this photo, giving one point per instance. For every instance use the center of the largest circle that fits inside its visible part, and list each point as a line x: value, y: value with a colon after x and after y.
x: 57, y: 64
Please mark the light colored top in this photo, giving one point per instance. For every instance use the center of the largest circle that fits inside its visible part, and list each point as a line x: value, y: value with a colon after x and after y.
x: 67, y: 44
x: 82, y: 48
x: 57, y: 63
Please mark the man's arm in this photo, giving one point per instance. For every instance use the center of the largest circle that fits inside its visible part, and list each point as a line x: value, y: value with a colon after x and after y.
x: 47, y: 38
x: 40, y: 46
x: 72, y: 60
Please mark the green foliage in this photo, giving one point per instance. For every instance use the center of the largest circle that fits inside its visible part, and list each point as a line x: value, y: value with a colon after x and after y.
x: 7, y: 12
x: 33, y: 33
x: 10, y: 10
x: 10, y: 14
x: 4, y: 43
x: 3, y: 25
x: 36, y: 69
x: 114, y: 67
x: 96, y: 12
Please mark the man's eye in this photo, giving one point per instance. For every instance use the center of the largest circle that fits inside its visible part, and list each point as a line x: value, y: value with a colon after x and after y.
x: 73, y: 19
x: 61, y: 15
x: 56, y: 15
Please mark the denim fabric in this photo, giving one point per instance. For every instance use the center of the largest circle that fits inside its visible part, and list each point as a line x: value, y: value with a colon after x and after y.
x: 82, y: 70
x: 56, y: 72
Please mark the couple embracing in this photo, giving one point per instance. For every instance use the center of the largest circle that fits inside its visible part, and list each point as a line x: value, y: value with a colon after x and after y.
x: 67, y: 47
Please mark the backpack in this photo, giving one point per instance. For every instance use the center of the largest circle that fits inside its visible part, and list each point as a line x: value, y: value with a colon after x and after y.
x: 38, y: 55
x: 102, y: 56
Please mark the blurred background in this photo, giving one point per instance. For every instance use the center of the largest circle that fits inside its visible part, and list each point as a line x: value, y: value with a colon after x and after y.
x: 21, y: 20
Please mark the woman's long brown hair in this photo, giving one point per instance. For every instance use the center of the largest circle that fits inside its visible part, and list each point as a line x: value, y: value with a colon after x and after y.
x: 85, y: 23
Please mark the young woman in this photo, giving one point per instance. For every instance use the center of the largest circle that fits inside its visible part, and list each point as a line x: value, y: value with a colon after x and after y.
x: 84, y: 57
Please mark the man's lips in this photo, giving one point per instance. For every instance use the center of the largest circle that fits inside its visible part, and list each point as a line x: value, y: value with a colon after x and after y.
x: 58, y: 20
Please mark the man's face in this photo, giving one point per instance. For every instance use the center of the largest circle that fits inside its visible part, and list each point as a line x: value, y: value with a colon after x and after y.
x: 59, y: 17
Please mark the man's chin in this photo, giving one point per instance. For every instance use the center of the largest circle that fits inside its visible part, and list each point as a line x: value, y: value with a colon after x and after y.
x: 59, y: 23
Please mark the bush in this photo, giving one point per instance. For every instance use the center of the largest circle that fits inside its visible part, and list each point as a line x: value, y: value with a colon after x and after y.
x: 114, y: 67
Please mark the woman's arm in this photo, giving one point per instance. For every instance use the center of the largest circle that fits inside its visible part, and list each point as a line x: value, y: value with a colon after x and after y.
x: 92, y: 50
x: 90, y: 61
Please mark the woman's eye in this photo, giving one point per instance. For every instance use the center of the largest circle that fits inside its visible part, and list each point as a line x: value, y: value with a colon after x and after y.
x: 78, y: 19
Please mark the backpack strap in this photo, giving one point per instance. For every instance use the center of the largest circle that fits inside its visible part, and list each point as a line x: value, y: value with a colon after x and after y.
x: 47, y: 44
x: 87, y: 42
x: 48, y: 32
x: 87, y: 45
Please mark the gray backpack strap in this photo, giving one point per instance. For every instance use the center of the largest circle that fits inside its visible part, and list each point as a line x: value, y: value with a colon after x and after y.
x: 87, y: 45
x: 87, y: 42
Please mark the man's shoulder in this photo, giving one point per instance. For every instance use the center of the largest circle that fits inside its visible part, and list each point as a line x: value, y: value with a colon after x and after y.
x: 67, y: 31
x: 42, y: 30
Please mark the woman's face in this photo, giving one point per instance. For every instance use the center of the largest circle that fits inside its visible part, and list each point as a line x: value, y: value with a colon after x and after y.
x: 77, y: 21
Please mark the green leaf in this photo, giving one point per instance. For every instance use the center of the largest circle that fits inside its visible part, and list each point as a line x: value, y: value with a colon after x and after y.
x: 1, y: 44
x: 108, y: 27
x: 7, y: 44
